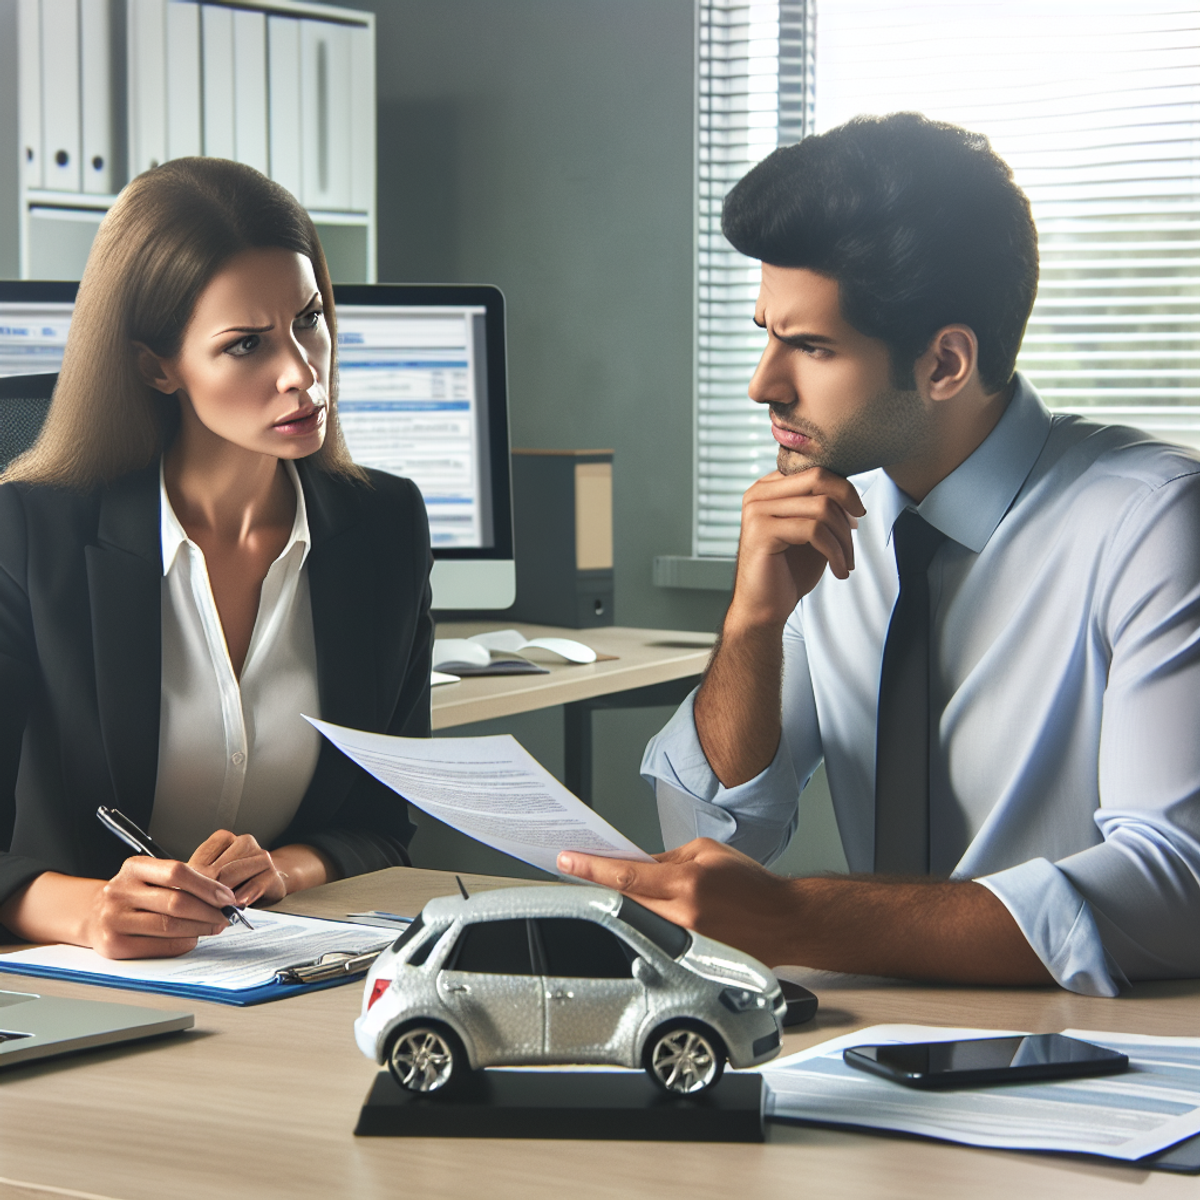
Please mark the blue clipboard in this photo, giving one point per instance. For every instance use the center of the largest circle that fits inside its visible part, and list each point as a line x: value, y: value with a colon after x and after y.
x: 329, y: 969
x: 241, y: 997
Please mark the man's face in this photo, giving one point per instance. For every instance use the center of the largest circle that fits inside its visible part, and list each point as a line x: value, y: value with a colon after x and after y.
x: 829, y: 386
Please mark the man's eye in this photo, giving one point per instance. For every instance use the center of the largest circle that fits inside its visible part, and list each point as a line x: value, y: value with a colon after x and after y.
x: 244, y: 346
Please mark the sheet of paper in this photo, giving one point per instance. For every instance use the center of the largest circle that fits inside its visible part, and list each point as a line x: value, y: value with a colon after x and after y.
x: 490, y: 788
x: 1153, y: 1105
x: 235, y: 959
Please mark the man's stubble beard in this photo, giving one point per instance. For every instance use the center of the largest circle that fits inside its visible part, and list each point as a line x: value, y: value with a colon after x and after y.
x: 892, y: 426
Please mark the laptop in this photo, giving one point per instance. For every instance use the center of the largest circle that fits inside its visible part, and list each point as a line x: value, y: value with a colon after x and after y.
x: 33, y: 1026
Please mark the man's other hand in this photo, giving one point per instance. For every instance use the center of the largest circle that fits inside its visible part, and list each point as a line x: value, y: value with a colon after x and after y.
x: 705, y: 886
x: 938, y: 930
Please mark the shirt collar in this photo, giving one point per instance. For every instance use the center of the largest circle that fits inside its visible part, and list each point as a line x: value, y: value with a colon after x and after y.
x: 173, y: 534
x: 971, y: 501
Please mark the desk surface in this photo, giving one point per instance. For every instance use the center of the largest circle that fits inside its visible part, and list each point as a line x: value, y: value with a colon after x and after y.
x: 261, y: 1103
x: 642, y: 657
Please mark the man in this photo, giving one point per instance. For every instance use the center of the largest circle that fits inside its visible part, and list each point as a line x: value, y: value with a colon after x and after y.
x: 985, y: 619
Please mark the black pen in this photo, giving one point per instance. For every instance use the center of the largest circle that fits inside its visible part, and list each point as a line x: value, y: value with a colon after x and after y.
x: 117, y: 822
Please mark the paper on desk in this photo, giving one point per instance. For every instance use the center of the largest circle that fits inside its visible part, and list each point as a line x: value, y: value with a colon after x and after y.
x: 233, y: 960
x: 490, y: 788
x: 1153, y: 1105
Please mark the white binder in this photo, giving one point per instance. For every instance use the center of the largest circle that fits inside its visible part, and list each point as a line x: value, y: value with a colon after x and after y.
x: 95, y: 86
x: 217, y: 35
x: 147, y: 88
x: 325, y: 114
x: 250, y: 88
x: 362, y: 119
x: 183, y: 79
x: 29, y: 64
x: 283, y: 89
x: 60, y: 95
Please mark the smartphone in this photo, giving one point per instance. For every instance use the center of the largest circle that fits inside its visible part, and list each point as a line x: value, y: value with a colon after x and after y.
x: 986, y: 1060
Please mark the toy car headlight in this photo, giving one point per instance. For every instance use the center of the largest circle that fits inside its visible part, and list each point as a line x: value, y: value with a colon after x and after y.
x: 742, y: 999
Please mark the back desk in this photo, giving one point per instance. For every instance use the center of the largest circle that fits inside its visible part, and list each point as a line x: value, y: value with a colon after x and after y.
x: 261, y: 1103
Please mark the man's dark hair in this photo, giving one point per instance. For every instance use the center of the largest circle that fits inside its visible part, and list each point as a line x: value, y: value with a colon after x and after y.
x: 919, y: 222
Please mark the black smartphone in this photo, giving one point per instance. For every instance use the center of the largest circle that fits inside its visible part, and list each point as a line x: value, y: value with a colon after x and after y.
x: 986, y: 1060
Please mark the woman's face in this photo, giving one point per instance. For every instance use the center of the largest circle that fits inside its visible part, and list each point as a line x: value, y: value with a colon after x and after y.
x: 254, y: 365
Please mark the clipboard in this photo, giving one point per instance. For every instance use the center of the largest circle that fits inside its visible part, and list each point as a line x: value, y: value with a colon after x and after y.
x: 324, y: 967
x: 290, y: 981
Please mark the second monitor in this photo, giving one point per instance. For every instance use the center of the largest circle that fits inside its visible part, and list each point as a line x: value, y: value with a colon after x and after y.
x: 423, y: 392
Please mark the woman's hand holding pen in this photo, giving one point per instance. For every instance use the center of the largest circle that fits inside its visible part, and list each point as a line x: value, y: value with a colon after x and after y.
x: 155, y: 908
x: 242, y: 865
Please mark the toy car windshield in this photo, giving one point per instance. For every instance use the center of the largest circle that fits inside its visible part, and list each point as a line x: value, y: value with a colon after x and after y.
x: 670, y: 938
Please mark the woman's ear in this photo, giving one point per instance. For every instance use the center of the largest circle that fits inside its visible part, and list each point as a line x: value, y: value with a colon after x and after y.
x: 949, y: 361
x: 154, y: 370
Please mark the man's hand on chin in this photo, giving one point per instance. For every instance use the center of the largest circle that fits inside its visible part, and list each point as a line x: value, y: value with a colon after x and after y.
x: 708, y: 887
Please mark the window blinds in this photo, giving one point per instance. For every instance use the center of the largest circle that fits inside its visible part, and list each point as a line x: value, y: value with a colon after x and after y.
x: 1096, y: 106
x: 756, y: 92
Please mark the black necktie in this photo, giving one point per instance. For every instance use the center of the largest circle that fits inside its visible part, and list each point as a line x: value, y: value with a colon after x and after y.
x: 902, y: 743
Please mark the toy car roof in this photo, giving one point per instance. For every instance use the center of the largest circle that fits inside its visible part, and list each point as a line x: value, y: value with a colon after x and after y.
x: 568, y: 900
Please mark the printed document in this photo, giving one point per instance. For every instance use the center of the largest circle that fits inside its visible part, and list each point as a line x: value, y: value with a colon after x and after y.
x: 233, y: 960
x: 490, y: 788
x: 1153, y: 1105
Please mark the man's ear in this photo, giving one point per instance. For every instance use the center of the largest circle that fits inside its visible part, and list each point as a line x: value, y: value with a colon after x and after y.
x: 155, y: 371
x: 949, y: 361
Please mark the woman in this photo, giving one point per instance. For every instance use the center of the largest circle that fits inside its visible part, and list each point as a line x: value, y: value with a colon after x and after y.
x: 189, y: 561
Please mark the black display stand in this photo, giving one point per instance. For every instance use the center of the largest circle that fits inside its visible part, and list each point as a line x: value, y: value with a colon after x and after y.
x: 567, y: 1104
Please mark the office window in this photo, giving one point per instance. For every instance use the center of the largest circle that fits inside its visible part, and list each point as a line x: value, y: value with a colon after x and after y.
x: 756, y: 92
x: 1096, y: 108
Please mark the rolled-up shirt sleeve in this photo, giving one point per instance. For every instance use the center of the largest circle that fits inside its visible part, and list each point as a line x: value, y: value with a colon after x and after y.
x: 1129, y: 907
x: 758, y: 817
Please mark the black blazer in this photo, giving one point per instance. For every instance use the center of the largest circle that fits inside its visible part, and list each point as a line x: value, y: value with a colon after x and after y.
x: 81, y: 666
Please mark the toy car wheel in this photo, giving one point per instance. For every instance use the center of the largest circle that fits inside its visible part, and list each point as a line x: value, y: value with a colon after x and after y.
x: 684, y: 1058
x: 426, y: 1058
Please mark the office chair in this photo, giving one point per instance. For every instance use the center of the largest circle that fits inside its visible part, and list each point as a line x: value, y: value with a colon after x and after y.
x: 24, y: 402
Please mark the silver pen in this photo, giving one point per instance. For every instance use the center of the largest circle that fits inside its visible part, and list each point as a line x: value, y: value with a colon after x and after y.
x: 117, y: 822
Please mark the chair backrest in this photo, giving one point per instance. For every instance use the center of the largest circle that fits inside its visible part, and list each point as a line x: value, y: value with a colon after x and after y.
x: 24, y: 402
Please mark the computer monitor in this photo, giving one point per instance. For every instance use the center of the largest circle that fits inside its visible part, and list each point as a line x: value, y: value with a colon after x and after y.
x: 423, y: 392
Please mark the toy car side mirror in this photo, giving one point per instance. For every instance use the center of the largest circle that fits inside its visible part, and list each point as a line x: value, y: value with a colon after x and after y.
x: 644, y: 972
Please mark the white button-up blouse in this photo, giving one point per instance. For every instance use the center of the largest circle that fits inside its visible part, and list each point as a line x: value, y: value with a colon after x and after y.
x: 233, y: 754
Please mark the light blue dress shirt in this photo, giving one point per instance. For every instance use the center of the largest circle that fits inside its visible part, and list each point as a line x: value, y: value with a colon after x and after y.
x: 1066, y: 644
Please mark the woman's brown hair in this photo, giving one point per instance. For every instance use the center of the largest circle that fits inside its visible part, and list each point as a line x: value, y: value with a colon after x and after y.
x: 165, y: 237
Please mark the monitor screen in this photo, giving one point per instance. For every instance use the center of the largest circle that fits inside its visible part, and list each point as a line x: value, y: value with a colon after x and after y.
x: 34, y: 319
x: 422, y: 393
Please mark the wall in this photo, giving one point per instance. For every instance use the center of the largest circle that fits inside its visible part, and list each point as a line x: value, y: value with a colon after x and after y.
x: 548, y: 147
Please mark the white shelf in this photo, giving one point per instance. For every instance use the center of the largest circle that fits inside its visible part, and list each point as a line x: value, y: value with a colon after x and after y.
x: 340, y: 142
x: 47, y: 199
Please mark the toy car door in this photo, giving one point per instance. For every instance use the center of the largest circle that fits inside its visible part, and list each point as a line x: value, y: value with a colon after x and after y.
x: 489, y: 984
x: 594, y: 1005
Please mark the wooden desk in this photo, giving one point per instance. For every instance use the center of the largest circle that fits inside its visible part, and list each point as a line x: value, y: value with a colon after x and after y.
x: 650, y: 667
x: 260, y: 1103
x: 643, y: 658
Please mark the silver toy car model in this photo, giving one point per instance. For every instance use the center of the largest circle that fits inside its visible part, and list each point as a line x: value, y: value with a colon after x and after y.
x: 569, y: 974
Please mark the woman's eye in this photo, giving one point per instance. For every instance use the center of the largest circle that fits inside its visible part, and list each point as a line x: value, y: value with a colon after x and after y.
x: 244, y: 346
x: 310, y: 320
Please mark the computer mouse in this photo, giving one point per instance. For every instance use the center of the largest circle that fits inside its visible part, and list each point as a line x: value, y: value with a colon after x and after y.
x: 567, y: 648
